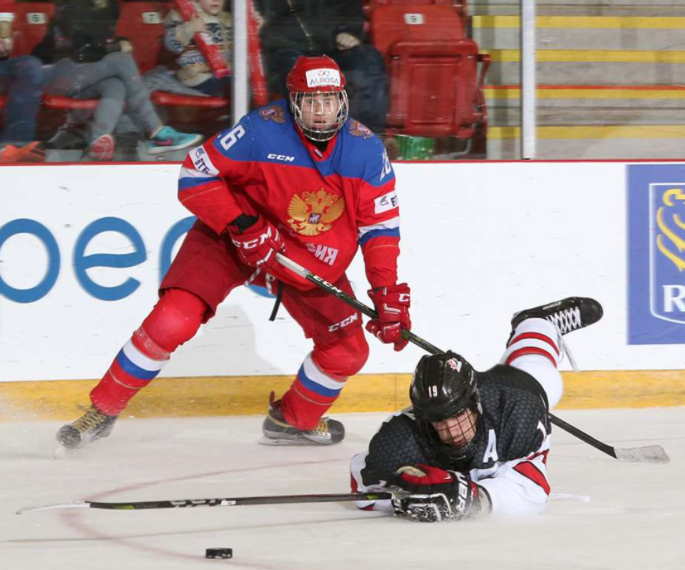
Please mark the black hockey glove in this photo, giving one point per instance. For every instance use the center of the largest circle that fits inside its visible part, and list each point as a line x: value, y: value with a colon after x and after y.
x: 438, y: 495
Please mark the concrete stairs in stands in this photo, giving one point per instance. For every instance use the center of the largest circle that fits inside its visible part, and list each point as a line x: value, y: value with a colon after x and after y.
x: 611, y: 78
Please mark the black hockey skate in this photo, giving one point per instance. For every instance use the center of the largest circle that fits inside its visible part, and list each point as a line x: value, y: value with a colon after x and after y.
x: 568, y: 315
x: 90, y: 426
x: 277, y: 431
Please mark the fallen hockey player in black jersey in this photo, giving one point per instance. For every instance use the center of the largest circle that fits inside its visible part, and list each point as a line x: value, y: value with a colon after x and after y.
x: 476, y: 442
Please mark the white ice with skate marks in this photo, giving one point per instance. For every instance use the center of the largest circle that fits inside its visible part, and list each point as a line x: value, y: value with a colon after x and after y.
x: 635, y: 517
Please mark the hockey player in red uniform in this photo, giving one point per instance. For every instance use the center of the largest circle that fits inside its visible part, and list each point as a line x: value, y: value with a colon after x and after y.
x: 476, y: 442
x: 298, y: 177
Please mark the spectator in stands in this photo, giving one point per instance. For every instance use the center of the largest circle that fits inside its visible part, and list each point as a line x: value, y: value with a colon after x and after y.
x: 193, y: 69
x: 290, y: 28
x: 87, y: 60
x: 21, y: 78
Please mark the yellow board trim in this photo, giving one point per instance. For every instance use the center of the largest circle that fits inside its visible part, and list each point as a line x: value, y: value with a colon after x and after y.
x: 589, y: 56
x: 594, y: 132
x: 598, y: 93
x: 64, y: 400
x: 588, y: 22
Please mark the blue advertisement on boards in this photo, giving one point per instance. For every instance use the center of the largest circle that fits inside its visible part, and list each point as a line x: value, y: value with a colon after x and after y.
x: 656, y: 254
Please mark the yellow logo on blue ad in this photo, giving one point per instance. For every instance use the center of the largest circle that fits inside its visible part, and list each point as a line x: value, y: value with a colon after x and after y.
x: 656, y: 256
x: 670, y: 223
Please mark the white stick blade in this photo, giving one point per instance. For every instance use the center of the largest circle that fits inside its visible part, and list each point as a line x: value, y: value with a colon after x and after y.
x: 74, y: 505
x: 647, y: 454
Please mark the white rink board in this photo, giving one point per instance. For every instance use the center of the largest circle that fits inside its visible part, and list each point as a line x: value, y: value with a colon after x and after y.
x: 479, y: 241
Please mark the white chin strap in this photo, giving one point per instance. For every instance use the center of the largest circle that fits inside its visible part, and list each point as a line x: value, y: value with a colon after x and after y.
x: 299, y: 101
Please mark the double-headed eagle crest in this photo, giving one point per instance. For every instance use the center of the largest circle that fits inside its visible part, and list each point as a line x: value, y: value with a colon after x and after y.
x: 359, y: 130
x: 273, y: 113
x: 314, y: 212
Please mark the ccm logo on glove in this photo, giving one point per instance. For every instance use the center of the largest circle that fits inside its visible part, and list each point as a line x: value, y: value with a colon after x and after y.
x: 257, y: 244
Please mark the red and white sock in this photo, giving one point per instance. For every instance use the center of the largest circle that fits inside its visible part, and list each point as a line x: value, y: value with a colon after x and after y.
x: 535, y: 348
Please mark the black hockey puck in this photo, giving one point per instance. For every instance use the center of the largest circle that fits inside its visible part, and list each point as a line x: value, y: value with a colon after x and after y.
x: 219, y: 553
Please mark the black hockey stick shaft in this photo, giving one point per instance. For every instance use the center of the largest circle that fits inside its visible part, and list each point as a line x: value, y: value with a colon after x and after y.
x: 345, y: 298
x: 220, y: 502
x: 587, y: 438
x: 243, y: 501
x: 418, y: 341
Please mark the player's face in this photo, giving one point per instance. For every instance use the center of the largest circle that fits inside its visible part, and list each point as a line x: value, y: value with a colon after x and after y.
x: 457, y: 431
x: 320, y: 111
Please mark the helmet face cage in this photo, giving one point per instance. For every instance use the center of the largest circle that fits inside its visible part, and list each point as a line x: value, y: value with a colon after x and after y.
x: 319, y: 103
x: 448, y: 454
x: 444, y: 388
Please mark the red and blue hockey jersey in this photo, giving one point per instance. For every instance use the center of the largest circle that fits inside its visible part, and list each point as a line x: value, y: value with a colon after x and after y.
x: 325, y: 203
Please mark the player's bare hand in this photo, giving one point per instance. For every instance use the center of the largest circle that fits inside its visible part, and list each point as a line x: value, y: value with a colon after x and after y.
x: 346, y: 41
x: 392, y: 305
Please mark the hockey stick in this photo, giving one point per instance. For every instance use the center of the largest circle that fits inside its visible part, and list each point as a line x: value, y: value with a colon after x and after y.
x: 649, y: 453
x: 222, y: 502
x: 247, y: 501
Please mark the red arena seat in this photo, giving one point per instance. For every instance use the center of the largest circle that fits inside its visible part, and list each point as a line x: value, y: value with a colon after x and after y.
x: 30, y: 24
x: 141, y: 23
x: 374, y: 3
x: 436, y: 73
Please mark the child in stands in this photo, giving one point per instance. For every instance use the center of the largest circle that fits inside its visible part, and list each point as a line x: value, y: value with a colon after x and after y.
x: 212, y: 20
x: 86, y: 60
x: 21, y: 80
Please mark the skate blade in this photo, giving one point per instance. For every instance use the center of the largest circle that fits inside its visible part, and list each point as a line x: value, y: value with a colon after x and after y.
x: 300, y: 442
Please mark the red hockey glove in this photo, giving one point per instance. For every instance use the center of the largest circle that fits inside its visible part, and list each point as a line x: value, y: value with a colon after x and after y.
x: 392, y: 305
x: 257, y: 245
x: 438, y: 495
x: 419, y: 477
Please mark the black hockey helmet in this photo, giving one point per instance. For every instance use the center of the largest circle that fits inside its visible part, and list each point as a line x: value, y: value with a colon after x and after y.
x: 444, y: 386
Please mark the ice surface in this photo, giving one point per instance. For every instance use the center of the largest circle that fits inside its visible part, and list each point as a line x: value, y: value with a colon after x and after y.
x: 634, y: 520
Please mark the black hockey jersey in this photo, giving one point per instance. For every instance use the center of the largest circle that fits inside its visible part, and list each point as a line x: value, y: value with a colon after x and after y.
x: 511, y: 446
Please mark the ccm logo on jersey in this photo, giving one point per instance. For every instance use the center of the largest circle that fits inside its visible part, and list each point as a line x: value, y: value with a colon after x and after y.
x: 201, y: 161
x: 319, y: 77
x: 386, y: 203
x: 282, y: 157
x: 343, y: 323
